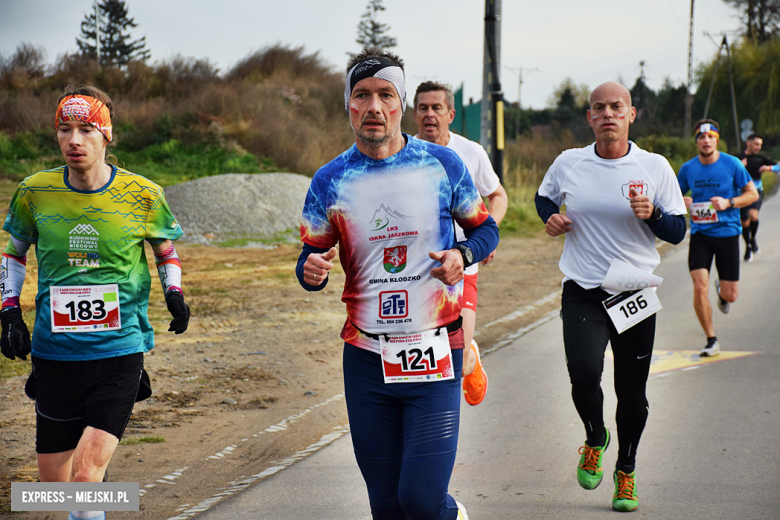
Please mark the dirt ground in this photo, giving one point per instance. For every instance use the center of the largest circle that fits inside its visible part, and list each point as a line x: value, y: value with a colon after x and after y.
x: 257, y: 377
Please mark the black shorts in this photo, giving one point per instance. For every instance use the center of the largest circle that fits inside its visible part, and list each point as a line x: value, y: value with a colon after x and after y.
x: 744, y: 213
x: 724, y: 249
x: 71, y: 395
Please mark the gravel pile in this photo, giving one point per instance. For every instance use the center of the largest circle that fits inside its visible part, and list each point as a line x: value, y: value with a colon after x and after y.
x: 236, y: 205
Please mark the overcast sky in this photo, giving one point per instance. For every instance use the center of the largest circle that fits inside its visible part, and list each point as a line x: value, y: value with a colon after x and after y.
x: 591, y: 41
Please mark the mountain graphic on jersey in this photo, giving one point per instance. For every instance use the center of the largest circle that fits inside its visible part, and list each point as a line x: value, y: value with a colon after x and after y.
x: 395, y: 259
x: 84, y: 229
x: 382, y: 216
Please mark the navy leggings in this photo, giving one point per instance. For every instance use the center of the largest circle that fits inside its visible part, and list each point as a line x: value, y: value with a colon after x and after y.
x: 405, y: 436
x: 586, y: 331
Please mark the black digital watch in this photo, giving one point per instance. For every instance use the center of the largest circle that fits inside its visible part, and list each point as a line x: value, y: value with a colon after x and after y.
x: 468, y: 254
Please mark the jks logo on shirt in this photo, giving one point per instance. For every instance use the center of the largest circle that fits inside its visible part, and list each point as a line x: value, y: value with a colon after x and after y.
x: 640, y: 187
x: 383, y: 216
x: 385, y: 225
x: 395, y: 259
x: 393, y: 304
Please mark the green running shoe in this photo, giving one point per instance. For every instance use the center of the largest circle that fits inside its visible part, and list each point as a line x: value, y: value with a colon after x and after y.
x: 625, y: 498
x: 589, y: 472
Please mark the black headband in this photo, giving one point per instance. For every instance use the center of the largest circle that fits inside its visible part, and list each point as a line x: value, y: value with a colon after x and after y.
x: 378, y: 67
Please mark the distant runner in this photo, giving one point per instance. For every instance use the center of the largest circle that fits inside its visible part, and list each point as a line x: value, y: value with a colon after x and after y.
x: 389, y: 203
x: 719, y: 184
x: 756, y: 165
x: 618, y: 198
x: 434, y: 109
x: 88, y: 221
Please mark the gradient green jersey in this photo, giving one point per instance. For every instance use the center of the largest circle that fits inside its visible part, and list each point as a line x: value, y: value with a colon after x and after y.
x: 85, y: 239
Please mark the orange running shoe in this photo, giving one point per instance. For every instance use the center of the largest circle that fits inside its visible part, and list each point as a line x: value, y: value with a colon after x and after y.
x: 475, y: 384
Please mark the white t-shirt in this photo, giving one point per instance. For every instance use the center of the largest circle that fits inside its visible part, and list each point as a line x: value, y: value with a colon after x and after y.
x: 481, y: 170
x: 596, y: 194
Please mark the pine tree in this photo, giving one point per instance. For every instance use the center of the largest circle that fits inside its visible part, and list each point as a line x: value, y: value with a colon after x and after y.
x: 371, y: 33
x: 116, y: 49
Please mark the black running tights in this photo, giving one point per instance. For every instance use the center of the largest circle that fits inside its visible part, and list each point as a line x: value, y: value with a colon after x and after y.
x: 586, y: 331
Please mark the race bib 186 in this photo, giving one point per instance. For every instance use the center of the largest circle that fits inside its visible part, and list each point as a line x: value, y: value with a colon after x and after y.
x: 86, y: 308
x: 703, y: 213
x: 417, y: 358
x: 626, y: 309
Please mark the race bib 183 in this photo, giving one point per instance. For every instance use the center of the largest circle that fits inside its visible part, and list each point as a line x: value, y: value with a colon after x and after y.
x: 85, y: 308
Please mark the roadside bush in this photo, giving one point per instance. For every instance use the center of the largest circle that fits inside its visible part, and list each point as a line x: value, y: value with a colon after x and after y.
x: 277, y: 103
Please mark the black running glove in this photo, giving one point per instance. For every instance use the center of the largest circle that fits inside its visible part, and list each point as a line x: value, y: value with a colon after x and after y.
x: 178, y: 309
x: 16, y: 338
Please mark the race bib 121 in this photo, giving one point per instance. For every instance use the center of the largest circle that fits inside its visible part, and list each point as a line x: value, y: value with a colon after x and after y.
x: 417, y: 358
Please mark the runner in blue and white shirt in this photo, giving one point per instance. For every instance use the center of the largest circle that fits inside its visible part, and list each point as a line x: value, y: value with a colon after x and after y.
x: 389, y: 203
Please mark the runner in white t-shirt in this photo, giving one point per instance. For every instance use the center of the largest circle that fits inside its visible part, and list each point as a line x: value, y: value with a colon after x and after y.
x: 618, y: 199
x: 434, y: 110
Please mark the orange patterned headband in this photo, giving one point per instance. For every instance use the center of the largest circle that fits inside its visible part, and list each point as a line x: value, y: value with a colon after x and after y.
x: 86, y: 109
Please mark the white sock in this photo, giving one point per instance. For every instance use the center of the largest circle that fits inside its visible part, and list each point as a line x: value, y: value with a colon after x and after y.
x: 87, y: 515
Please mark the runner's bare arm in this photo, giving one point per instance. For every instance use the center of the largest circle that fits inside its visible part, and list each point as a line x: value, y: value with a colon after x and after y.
x: 498, y: 201
x: 749, y: 196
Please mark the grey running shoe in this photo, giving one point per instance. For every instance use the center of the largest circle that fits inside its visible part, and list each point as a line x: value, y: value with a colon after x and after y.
x: 748, y: 254
x: 754, y: 246
x: 711, y: 349
x: 723, y: 305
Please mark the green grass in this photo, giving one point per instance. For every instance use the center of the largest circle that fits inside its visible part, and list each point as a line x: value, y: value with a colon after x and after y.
x: 166, y: 163
x: 148, y: 439
x: 13, y: 368
x: 769, y: 179
x: 289, y: 235
x: 521, y: 219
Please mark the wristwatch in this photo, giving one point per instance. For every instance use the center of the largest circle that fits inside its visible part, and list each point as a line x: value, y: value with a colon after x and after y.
x: 731, y: 201
x: 656, y: 215
x: 468, y: 254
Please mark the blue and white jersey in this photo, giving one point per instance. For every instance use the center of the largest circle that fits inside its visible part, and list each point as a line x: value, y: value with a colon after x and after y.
x: 387, y: 216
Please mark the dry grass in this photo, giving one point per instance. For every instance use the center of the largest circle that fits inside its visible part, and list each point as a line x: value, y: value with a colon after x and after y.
x: 278, y: 103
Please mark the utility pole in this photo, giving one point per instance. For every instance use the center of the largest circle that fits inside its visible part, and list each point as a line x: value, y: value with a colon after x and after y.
x: 519, y: 71
x: 688, y: 94
x: 714, y: 76
x: 733, y: 95
x: 492, y: 124
x: 97, y: 32
x: 724, y: 44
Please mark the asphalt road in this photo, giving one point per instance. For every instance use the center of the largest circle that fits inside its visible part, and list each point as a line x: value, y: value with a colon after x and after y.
x: 711, y: 449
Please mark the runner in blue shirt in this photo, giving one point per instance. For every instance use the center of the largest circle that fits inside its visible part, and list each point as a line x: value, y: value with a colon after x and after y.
x: 719, y: 185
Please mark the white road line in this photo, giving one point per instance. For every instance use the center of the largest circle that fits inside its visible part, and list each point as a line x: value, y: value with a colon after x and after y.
x: 525, y: 310
x: 508, y: 339
x: 228, y: 450
x: 278, y: 427
x: 237, y: 486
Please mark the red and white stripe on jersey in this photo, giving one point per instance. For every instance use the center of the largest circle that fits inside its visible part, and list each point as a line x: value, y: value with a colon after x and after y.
x: 169, y: 270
